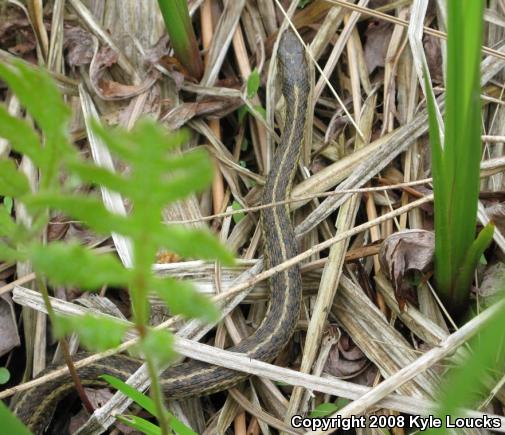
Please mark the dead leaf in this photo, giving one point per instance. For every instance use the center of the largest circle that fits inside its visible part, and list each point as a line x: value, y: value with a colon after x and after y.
x: 345, y: 360
x: 405, y: 255
x: 23, y: 48
x: 496, y: 212
x: 79, y: 46
x: 493, y: 281
x: 433, y: 57
x: 175, y: 71
x: 10, y: 335
x: 151, y: 106
x: 57, y: 227
x: 152, y: 55
x: 494, y: 196
x: 378, y: 36
x: 335, y: 127
x: 108, y: 89
x: 214, y: 109
x: 79, y: 233
x: 16, y: 34
x: 97, y: 398
x: 305, y: 17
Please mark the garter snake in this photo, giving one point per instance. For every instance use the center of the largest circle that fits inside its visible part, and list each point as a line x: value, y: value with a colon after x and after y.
x: 36, y: 406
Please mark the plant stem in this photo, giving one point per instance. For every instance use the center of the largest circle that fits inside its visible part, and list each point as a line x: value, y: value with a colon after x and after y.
x: 143, y: 254
x: 157, y: 396
x: 64, y: 349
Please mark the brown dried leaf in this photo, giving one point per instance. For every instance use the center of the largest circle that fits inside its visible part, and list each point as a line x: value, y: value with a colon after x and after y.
x: 16, y: 34
x: 10, y: 336
x: 433, y: 57
x: 496, y: 212
x: 404, y: 255
x: 108, y: 89
x: 152, y: 55
x: 97, y: 398
x: 345, y: 360
x: 214, y: 109
x: 176, y: 71
x: 378, y: 35
x: 493, y: 281
x: 57, y: 228
x: 151, y: 106
x: 79, y: 233
x: 79, y: 45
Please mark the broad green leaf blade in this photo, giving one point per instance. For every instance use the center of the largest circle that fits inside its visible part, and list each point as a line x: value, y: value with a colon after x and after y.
x: 93, y: 174
x: 8, y: 226
x: 183, y: 298
x: 193, y: 243
x: 239, y: 216
x: 153, y: 138
x: 253, y: 84
x: 139, y: 424
x: 37, y: 92
x: 116, y: 139
x: 159, y: 345
x: 12, y: 182
x: 194, y: 174
x: 9, y: 254
x: 157, y: 167
x: 21, y: 136
x: 140, y: 399
x: 185, y: 161
x: 145, y: 145
x: 8, y: 203
x: 90, y: 210
x: 97, y: 333
x: 10, y: 423
x: 146, y: 139
x: 323, y: 410
x: 5, y: 375
x: 72, y: 264
x: 183, y: 183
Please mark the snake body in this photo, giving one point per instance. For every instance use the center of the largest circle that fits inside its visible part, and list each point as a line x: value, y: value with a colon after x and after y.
x: 195, y: 378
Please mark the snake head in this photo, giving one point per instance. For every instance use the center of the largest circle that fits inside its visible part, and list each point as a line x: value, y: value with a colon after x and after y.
x: 292, y: 61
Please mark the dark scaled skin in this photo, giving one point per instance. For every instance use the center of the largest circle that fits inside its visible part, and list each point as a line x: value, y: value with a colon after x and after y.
x: 196, y: 378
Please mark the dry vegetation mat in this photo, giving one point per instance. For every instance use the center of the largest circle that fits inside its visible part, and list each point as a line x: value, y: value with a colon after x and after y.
x: 373, y: 338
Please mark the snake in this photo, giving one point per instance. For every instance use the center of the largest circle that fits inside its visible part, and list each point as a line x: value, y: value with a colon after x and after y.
x: 194, y: 378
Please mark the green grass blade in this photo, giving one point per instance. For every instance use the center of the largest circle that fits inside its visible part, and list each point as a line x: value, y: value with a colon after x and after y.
x: 178, y: 23
x: 140, y: 424
x: 477, y: 248
x: 442, y: 242
x: 140, y: 399
x: 456, y: 165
